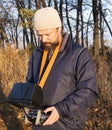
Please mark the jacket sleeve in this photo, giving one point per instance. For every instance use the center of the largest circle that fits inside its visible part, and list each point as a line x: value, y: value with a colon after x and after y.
x: 34, y: 66
x: 85, y: 94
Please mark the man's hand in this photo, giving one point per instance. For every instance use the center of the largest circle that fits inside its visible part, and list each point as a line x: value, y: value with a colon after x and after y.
x: 54, y: 116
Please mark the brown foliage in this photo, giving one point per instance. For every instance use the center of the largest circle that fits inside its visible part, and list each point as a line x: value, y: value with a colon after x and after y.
x: 100, y: 116
x: 13, y: 68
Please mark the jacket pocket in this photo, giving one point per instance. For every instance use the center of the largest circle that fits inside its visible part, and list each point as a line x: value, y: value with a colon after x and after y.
x: 77, y: 121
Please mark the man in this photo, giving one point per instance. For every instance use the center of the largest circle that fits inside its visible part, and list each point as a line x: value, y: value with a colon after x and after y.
x: 70, y: 87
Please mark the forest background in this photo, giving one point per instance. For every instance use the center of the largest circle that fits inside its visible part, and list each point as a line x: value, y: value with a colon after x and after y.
x: 90, y: 24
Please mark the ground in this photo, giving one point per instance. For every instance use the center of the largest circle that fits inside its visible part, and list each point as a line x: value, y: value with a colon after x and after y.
x: 10, y: 119
x: 100, y: 116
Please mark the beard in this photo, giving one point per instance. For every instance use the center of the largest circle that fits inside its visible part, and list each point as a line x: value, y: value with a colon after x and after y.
x: 49, y: 46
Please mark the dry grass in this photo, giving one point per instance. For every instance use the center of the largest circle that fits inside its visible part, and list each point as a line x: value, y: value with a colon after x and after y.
x: 13, y: 68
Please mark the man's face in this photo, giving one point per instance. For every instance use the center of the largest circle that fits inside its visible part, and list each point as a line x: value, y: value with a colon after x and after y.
x: 49, y: 38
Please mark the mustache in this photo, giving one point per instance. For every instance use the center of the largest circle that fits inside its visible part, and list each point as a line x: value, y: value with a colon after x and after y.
x: 44, y: 43
x: 47, y: 43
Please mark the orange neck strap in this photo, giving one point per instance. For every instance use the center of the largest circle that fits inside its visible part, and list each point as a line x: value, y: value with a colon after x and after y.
x: 49, y: 66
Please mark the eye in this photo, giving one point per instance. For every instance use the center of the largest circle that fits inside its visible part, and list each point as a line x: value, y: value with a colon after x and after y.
x: 47, y: 35
x: 40, y: 37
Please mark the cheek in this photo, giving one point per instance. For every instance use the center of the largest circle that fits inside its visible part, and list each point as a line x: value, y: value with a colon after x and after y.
x: 54, y: 38
x: 51, y: 40
x: 57, y: 39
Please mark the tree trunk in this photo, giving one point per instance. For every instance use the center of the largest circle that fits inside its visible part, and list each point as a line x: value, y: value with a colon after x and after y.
x: 96, y: 29
x: 43, y: 3
x: 101, y: 29
x: 77, y: 22
x: 16, y: 30
x: 23, y: 38
x: 49, y: 3
x: 67, y: 16
x: 56, y: 5
x: 81, y: 15
x: 61, y: 11
x: 87, y: 29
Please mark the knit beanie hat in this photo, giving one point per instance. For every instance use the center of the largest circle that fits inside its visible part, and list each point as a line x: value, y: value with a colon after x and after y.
x: 46, y: 18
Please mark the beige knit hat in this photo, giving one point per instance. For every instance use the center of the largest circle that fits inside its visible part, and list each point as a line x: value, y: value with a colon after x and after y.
x: 46, y: 18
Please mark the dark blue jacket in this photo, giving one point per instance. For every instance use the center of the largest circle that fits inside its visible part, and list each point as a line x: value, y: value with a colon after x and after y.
x: 70, y: 87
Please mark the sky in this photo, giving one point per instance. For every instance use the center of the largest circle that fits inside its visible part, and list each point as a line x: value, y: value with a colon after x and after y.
x: 108, y: 38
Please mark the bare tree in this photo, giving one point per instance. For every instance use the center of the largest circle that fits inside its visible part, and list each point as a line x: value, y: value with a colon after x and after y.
x: 56, y: 6
x: 81, y: 15
x: 101, y: 28
x: 67, y: 17
x: 71, y: 13
x: 96, y: 28
x: 20, y: 5
x: 77, y: 22
x: 61, y: 10
x: 79, y: 18
x: 87, y: 30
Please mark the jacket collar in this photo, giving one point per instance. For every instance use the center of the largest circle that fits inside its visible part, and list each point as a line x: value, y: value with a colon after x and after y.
x: 65, y: 39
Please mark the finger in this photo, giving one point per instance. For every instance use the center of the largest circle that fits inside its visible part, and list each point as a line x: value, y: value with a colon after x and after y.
x: 54, y: 116
x: 48, y: 109
x: 50, y: 120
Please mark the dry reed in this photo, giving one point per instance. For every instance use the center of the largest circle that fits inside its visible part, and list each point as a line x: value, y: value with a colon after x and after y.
x: 13, y: 67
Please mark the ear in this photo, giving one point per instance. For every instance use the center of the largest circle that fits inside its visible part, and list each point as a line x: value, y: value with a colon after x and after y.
x: 60, y: 34
x: 60, y: 30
